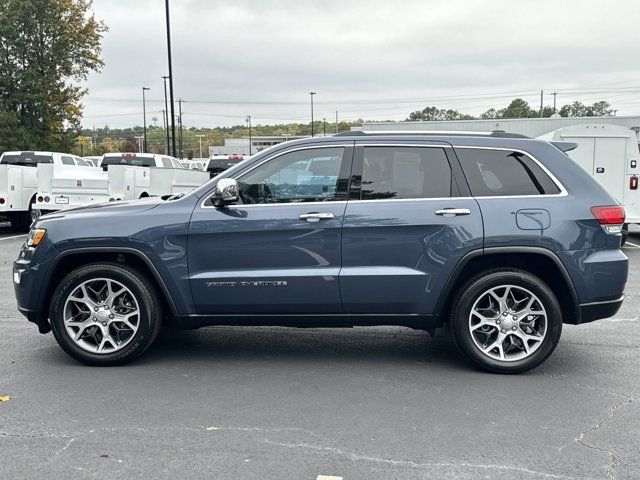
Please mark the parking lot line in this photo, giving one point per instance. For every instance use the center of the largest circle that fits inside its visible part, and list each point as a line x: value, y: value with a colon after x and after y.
x: 632, y: 244
x: 328, y: 477
x: 23, y: 235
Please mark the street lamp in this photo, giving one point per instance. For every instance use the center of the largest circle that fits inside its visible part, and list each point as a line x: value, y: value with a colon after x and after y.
x: 200, y: 137
x: 311, y: 94
x: 166, y: 112
x: 144, y: 118
x: 173, y: 117
x: 248, y: 120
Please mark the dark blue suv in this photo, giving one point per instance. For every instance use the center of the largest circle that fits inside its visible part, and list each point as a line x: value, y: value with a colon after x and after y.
x: 502, y: 238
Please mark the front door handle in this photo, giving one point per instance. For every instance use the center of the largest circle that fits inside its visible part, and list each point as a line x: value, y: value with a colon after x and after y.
x: 316, y: 217
x: 453, y: 212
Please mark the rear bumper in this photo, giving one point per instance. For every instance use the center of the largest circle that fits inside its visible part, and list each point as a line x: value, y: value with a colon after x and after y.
x: 590, y: 312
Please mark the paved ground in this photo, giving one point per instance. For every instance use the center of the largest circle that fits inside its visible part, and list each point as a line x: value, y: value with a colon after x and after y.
x: 375, y: 403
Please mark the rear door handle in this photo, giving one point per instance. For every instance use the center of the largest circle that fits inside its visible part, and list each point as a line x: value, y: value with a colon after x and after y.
x: 316, y: 217
x: 453, y: 212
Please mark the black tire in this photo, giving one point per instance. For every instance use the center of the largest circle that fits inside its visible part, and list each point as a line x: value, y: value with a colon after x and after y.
x: 22, y: 221
x: 625, y: 234
x: 476, y: 288
x: 145, y: 295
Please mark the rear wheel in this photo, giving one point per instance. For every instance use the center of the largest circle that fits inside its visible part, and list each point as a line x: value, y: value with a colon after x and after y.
x: 22, y: 220
x: 506, y: 321
x: 105, y: 314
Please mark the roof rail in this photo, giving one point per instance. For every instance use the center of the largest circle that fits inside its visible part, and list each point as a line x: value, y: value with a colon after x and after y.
x: 444, y: 133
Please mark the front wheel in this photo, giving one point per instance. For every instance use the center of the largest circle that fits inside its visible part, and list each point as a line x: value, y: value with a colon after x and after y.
x: 105, y: 314
x: 506, y: 321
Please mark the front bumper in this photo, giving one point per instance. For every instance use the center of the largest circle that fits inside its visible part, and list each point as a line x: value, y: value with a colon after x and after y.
x: 590, y: 312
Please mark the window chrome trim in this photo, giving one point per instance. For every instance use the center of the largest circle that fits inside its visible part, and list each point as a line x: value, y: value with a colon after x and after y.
x: 563, y: 191
x: 279, y: 154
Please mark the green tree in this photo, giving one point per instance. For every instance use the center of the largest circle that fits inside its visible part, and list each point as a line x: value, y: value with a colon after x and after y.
x: 47, y: 49
x: 435, y: 113
x: 518, y: 108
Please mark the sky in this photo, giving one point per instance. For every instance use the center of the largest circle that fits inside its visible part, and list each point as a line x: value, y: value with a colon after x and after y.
x: 375, y: 60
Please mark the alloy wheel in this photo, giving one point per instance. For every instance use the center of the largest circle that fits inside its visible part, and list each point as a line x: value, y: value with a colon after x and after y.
x: 101, y: 315
x: 508, y: 323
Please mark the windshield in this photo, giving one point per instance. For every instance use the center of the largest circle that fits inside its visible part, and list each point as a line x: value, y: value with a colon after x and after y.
x: 127, y: 160
x: 25, y: 159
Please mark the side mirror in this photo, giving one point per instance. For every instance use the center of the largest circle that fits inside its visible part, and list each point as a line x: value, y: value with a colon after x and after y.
x: 226, y: 192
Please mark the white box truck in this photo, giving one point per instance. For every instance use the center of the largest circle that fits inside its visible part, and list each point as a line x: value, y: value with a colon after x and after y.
x: 19, y: 183
x: 610, y: 154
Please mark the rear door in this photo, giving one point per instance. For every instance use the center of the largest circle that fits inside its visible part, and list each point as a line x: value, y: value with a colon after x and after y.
x: 409, y: 220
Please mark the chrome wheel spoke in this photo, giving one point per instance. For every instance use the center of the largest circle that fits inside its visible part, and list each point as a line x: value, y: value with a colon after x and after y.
x: 508, y: 323
x: 101, y: 315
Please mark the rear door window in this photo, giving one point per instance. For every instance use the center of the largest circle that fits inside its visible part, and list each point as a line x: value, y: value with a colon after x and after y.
x: 405, y: 172
x: 492, y: 172
x: 66, y: 160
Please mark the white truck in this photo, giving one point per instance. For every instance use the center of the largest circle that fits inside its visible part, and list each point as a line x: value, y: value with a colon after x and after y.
x: 610, y: 154
x: 19, y: 183
x: 138, y: 175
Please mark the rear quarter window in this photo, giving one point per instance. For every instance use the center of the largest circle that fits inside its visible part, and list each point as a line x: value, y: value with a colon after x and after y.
x: 501, y: 173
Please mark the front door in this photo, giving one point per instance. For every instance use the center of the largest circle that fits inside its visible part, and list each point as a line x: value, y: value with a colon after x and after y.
x: 408, y: 222
x: 278, y: 250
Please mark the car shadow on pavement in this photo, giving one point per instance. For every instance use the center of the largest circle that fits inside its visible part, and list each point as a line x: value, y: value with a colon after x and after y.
x: 390, y: 345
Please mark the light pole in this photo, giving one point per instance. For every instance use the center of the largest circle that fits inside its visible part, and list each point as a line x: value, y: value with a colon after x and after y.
x: 311, y: 94
x: 248, y: 119
x: 166, y: 111
x: 324, y: 126
x: 173, y: 117
x: 144, y: 119
x: 200, y: 137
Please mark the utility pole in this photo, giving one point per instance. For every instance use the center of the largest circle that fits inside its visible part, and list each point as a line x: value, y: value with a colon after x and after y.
x: 324, y: 126
x: 139, y: 139
x: 164, y: 126
x: 180, y: 113
x: 173, y: 121
x: 248, y: 120
x: 311, y: 94
x: 336, y: 122
x: 166, y: 113
x: 200, y: 137
x: 144, y: 119
x: 554, y: 101
x: 541, y: 102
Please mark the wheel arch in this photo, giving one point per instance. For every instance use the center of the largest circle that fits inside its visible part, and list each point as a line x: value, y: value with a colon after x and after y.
x: 536, y: 260
x: 77, y: 257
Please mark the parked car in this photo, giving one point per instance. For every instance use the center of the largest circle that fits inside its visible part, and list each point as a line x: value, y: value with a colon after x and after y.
x: 499, y: 237
x: 19, y: 183
x: 216, y: 164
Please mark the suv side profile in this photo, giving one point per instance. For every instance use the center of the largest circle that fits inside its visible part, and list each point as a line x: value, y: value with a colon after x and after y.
x: 501, y: 238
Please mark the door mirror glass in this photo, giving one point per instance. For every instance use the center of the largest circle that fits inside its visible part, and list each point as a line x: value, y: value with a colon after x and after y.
x: 226, y: 192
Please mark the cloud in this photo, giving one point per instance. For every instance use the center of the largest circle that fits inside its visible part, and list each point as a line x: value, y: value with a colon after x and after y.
x: 360, y: 52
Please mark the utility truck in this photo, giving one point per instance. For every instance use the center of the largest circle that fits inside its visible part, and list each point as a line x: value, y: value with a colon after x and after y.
x: 610, y: 154
x: 19, y: 183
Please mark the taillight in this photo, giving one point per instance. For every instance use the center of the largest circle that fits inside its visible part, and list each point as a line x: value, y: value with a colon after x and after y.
x: 1, y: 201
x: 610, y: 217
x: 633, y: 183
x: 40, y: 199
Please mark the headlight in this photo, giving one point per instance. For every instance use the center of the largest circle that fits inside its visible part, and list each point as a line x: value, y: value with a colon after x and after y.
x: 35, y: 236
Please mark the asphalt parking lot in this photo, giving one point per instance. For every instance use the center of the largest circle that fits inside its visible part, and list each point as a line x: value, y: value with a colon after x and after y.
x: 277, y: 403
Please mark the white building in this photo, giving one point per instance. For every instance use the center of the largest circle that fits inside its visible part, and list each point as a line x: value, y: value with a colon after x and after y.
x: 532, y: 127
x: 240, y: 146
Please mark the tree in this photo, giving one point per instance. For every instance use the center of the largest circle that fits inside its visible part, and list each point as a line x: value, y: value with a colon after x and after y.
x: 579, y: 109
x: 434, y: 113
x: 518, y: 108
x: 47, y: 48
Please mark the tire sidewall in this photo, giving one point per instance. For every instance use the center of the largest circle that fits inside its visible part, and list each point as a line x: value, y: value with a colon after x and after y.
x: 479, y: 286
x: 144, y: 298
